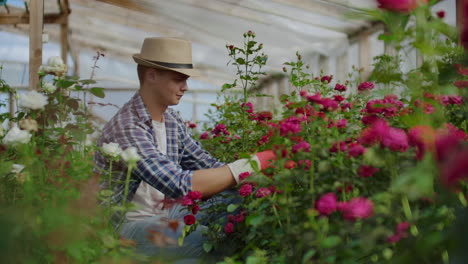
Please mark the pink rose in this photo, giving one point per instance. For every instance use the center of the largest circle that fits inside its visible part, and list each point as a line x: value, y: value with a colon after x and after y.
x: 356, y: 150
x: 375, y: 132
x: 455, y: 167
x: 402, y: 227
x: 395, y: 139
x: 326, y: 79
x: 186, y: 201
x: 341, y: 123
x: 244, y: 175
x: 365, y: 86
x: 245, y: 190
x: 340, y: 87
x: 400, y: 6
x: 338, y: 146
x: 195, y: 209
x: 326, y: 204
x: 305, y: 163
x: 229, y: 228
x: 262, y: 192
x: 460, y: 84
x: 358, y: 208
x: 205, y: 135
x: 194, y: 195
x: 301, y: 146
x: 367, y: 171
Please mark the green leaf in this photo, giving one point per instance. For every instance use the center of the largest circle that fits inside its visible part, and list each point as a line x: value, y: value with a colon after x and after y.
x: 73, y: 104
x: 97, y: 91
x: 106, y: 193
x: 241, y: 61
x: 89, y: 81
x: 232, y: 207
x: 64, y: 83
x: 244, y: 156
x: 418, y: 181
x: 109, y: 241
x: 331, y: 241
x: 254, y: 220
x: 251, y: 43
x: 226, y: 86
x: 308, y: 255
x: 207, y: 246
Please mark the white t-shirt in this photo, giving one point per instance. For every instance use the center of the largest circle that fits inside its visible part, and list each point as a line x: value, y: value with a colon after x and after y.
x: 148, y: 199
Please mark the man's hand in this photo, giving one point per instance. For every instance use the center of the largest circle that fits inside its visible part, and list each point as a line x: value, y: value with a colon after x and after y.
x: 263, y: 160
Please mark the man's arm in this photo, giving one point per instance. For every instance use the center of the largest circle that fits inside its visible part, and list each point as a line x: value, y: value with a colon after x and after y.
x: 212, y: 181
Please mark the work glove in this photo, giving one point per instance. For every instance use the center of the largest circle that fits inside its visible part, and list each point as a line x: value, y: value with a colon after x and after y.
x: 263, y: 160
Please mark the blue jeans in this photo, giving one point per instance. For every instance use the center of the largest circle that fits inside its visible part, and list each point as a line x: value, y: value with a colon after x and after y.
x: 154, y: 238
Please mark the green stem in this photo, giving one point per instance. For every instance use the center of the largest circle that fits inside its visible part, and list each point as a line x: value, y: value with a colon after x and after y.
x: 124, y: 200
x: 462, y: 199
x: 110, y: 174
x: 127, y: 182
x: 406, y: 208
x: 277, y: 216
x: 408, y: 214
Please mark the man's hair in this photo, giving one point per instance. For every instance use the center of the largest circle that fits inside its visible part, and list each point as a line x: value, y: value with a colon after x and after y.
x: 141, y: 70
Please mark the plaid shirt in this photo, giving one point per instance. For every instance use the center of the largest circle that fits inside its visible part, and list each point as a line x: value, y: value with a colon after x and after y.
x: 171, y: 174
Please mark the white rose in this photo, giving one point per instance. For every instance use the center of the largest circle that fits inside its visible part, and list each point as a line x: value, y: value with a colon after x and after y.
x: 130, y: 155
x: 54, y: 61
x: 17, y: 168
x: 28, y: 124
x: 49, y: 87
x: 32, y: 100
x: 55, y: 64
x: 111, y: 149
x: 16, y: 135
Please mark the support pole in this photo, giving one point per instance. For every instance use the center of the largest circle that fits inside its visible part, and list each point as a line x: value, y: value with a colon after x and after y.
x: 64, y: 41
x: 36, y: 8
x: 365, y: 52
x: 342, y: 67
x: 324, y: 64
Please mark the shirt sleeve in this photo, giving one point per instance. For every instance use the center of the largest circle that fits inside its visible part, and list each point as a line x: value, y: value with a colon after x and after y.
x: 154, y: 167
x: 194, y: 157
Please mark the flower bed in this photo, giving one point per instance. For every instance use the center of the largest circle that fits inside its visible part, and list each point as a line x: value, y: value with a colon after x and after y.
x: 363, y: 174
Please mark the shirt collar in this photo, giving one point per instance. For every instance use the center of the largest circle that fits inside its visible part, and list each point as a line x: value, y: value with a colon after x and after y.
x: 140, y: 108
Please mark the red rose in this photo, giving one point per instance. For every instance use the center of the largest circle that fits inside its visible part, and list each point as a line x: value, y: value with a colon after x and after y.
x: 189, y: 219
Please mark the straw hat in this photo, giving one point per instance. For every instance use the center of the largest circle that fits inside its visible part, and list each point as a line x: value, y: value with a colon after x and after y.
x: 167, y: 54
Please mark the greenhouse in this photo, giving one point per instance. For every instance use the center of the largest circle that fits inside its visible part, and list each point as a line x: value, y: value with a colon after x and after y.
x: 233, y: 131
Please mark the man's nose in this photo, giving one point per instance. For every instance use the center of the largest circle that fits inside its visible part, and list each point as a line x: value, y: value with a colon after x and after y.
x: 185, y: 87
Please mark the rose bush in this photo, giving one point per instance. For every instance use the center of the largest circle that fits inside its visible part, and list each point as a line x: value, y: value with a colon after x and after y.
x: 372, y: 175
x: 48, y: 190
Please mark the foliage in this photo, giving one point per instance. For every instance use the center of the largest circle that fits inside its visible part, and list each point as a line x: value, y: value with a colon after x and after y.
x: 48, y: 189
x: 362, y: 176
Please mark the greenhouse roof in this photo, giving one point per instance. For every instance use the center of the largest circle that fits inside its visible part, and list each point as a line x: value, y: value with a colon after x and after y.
x: 117, y: 27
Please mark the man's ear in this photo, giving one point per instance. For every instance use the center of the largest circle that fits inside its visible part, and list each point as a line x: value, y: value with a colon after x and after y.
x: 151, y: 75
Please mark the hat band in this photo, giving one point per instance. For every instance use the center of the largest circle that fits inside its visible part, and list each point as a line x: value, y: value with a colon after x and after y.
x: 173, y: 65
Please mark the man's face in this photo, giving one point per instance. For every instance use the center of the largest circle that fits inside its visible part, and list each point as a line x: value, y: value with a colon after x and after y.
x: 170, y: 87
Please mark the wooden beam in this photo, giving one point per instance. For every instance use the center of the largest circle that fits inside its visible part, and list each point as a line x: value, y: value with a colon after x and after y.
x: 36, y: 9
x: 13, y: 19
x: 64, y: 43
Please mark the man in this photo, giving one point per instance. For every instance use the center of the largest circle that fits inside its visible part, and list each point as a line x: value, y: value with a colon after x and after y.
x: 172, y: 163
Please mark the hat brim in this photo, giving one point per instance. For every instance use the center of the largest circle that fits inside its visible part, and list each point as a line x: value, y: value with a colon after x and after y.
x: 189, y: 72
